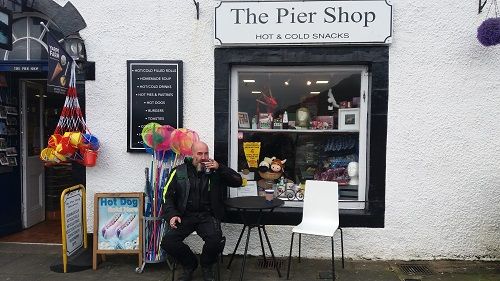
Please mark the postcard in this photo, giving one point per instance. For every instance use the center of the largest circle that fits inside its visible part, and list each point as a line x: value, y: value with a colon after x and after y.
x: 11, y: 151
x: 3, y: 128
x: 3, y: 160
x: 3, y: 144
x: 12, y: 161
x: 3, y: 112
x: 11, y: 110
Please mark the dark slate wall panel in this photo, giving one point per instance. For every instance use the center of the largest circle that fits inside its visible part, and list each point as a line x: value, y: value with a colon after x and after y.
x: 377, y: 60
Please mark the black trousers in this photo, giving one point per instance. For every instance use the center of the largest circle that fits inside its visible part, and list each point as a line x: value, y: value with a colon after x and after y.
x: 207, y: 227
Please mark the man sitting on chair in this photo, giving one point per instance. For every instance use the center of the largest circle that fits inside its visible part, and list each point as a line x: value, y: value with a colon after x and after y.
x: 192, y: 200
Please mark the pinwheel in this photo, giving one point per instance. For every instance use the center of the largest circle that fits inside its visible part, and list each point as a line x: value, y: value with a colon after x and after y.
x: 168, y: 148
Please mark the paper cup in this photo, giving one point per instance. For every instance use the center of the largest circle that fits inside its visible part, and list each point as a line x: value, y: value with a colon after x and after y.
x: 269, y: 194
x: 205, y: 168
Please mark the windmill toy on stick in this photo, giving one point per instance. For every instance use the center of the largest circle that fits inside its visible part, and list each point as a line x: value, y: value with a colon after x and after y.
x: 168, y: 147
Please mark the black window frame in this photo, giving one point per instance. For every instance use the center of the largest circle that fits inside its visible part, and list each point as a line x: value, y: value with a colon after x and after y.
x: 376, y: 58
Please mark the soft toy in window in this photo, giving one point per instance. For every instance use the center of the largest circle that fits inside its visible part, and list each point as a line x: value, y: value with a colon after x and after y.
x: 265, y: 165
x: 277, y: 166
x: 271, y: 168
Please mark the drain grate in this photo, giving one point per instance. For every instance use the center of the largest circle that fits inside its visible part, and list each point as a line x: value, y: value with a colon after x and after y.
x: 325, y: 275
x: 415, y: 269
x: 269, y: 263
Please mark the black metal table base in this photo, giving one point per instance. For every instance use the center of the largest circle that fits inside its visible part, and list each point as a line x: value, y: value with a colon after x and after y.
x: 259, y: 227
x: 242, y: 204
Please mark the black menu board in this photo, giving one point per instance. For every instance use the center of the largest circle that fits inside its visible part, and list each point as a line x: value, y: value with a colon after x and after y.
x: 154, y: 95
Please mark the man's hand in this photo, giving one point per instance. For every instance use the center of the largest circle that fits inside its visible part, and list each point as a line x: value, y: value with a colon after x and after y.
x: 212, y: 164
x: 174, y: 221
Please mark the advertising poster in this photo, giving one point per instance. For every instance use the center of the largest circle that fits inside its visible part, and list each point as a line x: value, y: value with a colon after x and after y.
x: 73, y: 223
x: 73, y: 209
x: 118, y: 227
x: 252, y: 152
x: 59, y: 67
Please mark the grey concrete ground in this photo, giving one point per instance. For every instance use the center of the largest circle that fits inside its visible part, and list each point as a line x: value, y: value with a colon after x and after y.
x: 30, y: 262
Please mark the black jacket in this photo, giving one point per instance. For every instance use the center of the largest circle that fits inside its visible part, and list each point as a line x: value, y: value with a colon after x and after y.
x: 177, y: 190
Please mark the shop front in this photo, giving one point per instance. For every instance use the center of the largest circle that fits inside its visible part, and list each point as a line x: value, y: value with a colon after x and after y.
x: 29, y: 113
x: 301, y: 87
x: 312, y: 97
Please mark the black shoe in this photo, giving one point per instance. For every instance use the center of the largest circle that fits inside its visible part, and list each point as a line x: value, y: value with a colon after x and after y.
x: 208, y: 273
x: 187, y: 275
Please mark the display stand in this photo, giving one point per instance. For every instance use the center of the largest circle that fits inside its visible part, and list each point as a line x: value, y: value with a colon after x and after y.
x: 73, y: 222
x: 153, y: 230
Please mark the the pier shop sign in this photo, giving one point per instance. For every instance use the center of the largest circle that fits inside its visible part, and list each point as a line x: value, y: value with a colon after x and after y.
x: 304, y: 22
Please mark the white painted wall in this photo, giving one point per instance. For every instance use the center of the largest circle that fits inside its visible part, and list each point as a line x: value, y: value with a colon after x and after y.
x: 443, y: 167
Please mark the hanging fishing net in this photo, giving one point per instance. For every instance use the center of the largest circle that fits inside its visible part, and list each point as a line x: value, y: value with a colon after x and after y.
x: 72, y: 139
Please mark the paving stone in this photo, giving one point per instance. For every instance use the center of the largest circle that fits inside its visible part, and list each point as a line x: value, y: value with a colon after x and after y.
x: 33, y: 263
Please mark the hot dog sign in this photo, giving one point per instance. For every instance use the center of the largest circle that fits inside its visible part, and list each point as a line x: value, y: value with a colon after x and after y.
x: 118, y: 227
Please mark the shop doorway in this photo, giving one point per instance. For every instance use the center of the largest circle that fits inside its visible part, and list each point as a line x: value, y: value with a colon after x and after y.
x: 41, y: 185
x: 31, y: 191
x: 32, y: 138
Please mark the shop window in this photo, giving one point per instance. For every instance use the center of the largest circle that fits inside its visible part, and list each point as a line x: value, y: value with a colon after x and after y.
x: 371, y: 63
x: 29, y: 37
x: 313, y: 120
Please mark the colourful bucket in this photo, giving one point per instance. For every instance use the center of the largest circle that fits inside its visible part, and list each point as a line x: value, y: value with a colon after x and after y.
x: 65, y: 147
x: 75, y: 138
x: 89, y: 158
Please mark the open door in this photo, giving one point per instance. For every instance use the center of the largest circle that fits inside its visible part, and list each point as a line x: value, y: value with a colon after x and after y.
x: 32, y: 133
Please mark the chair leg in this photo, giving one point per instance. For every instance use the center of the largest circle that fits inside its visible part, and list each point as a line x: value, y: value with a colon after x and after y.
x: 289, y: 258
x: 173, y: 270
x: 300, y: 244
x: 220, y: 256
x: 333, y: 262
x: 342, y: 245
x: 218, y: 266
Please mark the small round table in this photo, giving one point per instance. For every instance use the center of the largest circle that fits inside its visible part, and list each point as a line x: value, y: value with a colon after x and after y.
x: 258, y: 203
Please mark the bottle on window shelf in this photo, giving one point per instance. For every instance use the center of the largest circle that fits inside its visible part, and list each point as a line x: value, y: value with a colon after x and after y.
x: 254, y: 122
x: 285, y: 120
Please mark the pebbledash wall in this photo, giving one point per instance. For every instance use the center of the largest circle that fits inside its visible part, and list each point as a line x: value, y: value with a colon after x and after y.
x: 443, y: 168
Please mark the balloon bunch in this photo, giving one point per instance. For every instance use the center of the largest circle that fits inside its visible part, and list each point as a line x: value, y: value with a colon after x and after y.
x: 75, y: 146
x: 168, y: 147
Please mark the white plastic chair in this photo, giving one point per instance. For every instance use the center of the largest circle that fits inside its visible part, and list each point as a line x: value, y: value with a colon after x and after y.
x: 320, y: 216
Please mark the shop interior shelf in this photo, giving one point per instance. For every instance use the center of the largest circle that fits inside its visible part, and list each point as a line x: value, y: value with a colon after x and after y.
x: 297, y: 131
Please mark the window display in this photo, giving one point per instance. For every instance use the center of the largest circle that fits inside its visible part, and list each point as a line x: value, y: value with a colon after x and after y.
x: 9, y: 138
x: 309, y: 123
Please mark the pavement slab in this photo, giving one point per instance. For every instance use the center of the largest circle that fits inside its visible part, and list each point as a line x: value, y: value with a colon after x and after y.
x: 31, y: 262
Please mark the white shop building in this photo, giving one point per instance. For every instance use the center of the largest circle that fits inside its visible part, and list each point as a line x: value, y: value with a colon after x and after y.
x: 402, y: 88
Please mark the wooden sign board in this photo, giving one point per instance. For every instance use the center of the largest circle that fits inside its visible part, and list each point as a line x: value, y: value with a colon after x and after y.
x: 118, y: 224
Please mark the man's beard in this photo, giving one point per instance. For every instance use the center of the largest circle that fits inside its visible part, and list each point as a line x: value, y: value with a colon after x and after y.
x: 199, y: 167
